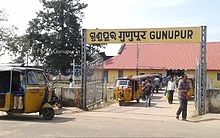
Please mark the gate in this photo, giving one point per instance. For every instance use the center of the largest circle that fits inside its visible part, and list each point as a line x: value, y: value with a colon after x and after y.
x: 197, y: 84
x: 94, y: 82
x: 90, y: 85
x: 92, y: 79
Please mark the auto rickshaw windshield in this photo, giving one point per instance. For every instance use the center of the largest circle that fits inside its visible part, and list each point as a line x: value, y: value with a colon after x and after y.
x: 36, y: 78
x: 122, y: 83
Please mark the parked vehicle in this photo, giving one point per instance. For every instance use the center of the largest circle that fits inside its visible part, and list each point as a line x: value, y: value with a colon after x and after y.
x: 25, y: 90
x: 130, y: 88
x: 127, y: 89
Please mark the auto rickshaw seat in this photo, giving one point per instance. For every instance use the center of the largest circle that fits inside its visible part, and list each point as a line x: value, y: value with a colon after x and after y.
x: 4, y: 87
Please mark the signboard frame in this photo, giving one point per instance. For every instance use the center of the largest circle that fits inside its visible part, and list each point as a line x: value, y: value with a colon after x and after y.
x: 149, y: 35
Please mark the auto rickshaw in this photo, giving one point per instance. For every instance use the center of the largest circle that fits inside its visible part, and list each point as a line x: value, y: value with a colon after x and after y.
x: 25, y: 90
x: 128, y: 89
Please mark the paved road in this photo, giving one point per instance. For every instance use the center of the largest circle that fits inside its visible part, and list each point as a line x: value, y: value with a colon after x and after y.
x: 130, y: 120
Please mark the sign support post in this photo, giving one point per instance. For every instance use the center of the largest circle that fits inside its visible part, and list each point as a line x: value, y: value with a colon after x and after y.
x: 202, y: 72
x: 83, y: 71
x: 137, y: 72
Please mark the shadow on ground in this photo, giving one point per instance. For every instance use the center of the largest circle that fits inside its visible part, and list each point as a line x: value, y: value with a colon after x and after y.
x: 35, y: 118
x: 204, y: 120
x: 140, y: 104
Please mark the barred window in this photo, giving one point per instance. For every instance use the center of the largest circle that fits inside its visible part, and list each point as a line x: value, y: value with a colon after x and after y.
x: 120, y: 73
x: 218, y: 76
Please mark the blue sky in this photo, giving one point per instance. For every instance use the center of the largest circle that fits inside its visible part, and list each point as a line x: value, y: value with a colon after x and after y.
x: 111, y: 14
x: 154, y: 13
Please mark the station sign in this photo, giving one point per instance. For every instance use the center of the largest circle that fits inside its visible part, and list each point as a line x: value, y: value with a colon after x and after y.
x: 150, y: 35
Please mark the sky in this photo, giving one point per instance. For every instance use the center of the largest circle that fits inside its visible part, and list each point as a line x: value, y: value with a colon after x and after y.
x: 127, y: 14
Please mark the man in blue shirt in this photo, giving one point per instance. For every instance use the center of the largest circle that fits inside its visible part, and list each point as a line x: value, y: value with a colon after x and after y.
x: 157, y: 84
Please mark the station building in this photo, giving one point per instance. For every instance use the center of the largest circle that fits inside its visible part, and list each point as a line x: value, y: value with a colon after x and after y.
x: 165, y: 59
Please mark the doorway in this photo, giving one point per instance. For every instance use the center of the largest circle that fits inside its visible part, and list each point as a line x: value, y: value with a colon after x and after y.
x: 177, y: 72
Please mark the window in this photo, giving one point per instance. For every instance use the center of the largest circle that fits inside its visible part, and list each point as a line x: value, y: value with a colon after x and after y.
x: 106, y: 75
x: 31, y: 78
x: 123, y: 83
x: 120, y: 73
x: 36, y: 78
x: 41, y: 78
x: 218, y: 76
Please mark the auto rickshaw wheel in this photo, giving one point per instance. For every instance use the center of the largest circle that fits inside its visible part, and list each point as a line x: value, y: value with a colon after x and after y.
x: 48, y: 113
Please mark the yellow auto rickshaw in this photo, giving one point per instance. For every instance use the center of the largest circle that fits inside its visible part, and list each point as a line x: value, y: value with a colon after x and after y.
x: 25, y: 90
x: 128, y: 89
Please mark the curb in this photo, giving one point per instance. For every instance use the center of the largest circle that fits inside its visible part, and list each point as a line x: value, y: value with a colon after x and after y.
x: 67, y: 110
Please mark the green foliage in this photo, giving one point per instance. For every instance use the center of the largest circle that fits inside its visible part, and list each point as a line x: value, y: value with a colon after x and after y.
x: 19, y: 48
x: 6, y: 33
x: 54, y: 34
x: 53, y: 38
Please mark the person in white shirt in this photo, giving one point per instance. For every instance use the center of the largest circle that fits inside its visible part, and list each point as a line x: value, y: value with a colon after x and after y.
x: 170, y: 87
x: 71, y: 83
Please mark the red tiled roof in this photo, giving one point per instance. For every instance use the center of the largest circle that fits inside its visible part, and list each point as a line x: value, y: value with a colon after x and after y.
x: 164, y: 56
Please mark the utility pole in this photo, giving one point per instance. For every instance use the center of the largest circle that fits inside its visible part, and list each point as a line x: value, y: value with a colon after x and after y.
x: 83, y: 71
x: 27, y: 59
x: 137, y: 60
x: 73, y: 75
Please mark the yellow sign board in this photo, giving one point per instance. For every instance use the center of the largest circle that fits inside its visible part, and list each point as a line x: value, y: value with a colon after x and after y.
x: 151, y: 35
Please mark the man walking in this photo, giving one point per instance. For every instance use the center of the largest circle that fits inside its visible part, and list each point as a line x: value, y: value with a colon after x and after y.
x: 170, y: 87
x: 183, y: 88
x: 147, y: 92
x: 157, y: 83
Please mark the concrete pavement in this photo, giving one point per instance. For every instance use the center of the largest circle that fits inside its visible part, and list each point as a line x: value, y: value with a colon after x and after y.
x: 130, y: 120
x: 160, y: 109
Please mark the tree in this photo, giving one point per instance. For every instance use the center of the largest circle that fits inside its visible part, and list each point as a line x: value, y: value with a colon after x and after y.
x: 6, y: 33
x: 19, y: 47
x: 54, y: 34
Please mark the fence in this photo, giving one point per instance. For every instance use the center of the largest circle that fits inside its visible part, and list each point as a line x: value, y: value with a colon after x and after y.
x: 70, y: 97
x: 213, y: 101
x: 94, y: 82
